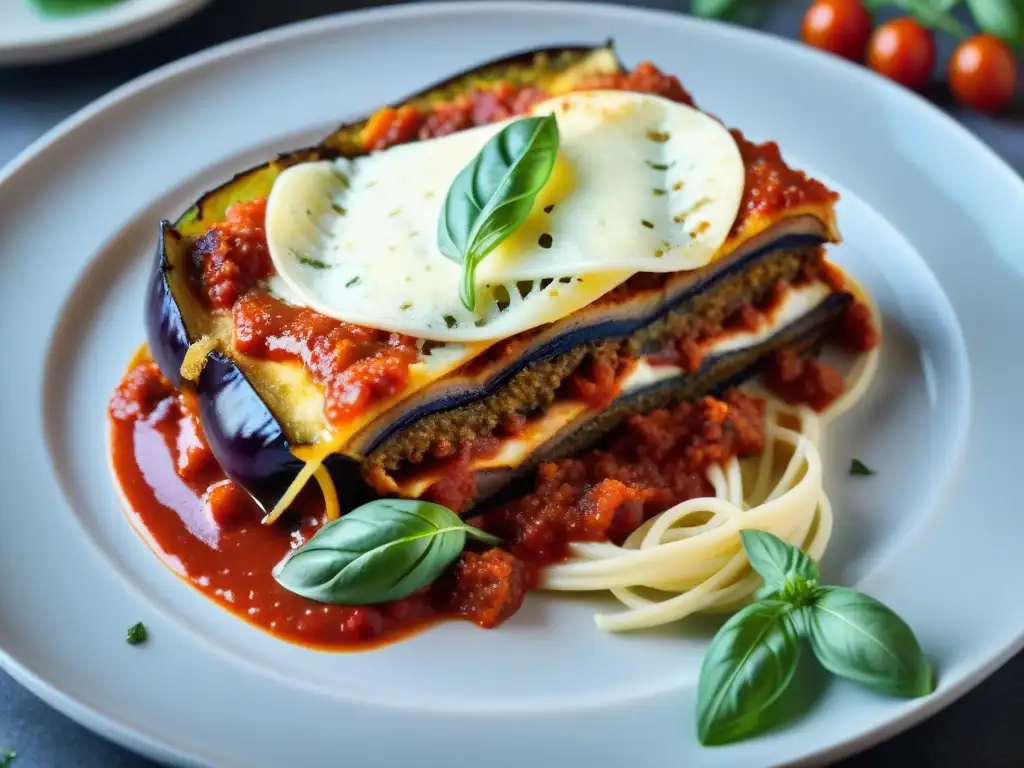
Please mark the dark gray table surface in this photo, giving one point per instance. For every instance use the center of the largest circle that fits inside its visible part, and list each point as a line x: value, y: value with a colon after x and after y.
x: 981, y: 729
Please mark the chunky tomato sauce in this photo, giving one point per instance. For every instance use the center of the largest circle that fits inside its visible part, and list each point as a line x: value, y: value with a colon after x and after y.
x: 208, y: 530
x: 352, y: 364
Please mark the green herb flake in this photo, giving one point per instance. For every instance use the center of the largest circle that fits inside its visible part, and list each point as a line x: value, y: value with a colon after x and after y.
x: 314, y: 263
x: 7, y: 758
x: 659, y: 192
x: 658, y: 166
x: 677, y: 186
x: 859, y: 469
x: 137, y: 634
x: 679, y: 218
x: 338, y: 209
x: 405, y: 305
x: 353, y: 281
x: 545, y: 240
x: 647, y: 223
x: 657, y: 136
x: 659, y: 253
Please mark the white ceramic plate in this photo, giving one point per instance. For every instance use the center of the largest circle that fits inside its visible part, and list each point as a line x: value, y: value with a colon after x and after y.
x: 934, y: 228
x: 28, y: 36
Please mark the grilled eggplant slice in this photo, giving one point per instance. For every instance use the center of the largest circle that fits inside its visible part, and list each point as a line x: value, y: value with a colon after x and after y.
x: 260, y: 416
x: 255, y: 413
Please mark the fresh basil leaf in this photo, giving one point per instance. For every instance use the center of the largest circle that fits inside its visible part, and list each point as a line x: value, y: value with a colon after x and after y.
x: 384, y: 550
x: 780, y: 564
x: 492, y: 196
x: 748, y: 665
x: 857, y: 637
x: 931, y: 13
x: 859, y: 469
x: 1002, y: 18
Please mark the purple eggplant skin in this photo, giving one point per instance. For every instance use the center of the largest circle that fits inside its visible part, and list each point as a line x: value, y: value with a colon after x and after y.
x: 243, y: 434
x: 249, y: 443
x: 165, y: 328
x: 247, y: 440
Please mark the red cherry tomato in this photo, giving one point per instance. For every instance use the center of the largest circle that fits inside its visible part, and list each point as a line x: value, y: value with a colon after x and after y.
x: 904, y: 51
x: 841, y: 27
x: 983, y: 73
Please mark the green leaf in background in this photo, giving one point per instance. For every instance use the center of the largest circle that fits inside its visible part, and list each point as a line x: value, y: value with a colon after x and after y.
x: 857, y: 637
x: 931, y: 13
x: 492, y: 196
x: 7, y: 758
x: 382, y: 551
x: 1002, y: 18
x: 746, y: 12
x: 748, y: 665
x: 779, y: 563
x: 69, y: 7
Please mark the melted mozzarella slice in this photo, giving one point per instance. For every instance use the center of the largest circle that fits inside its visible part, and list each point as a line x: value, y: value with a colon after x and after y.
x: 641, y: 184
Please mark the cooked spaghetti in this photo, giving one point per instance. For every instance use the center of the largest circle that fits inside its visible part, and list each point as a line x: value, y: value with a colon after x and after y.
x: 691, y: 554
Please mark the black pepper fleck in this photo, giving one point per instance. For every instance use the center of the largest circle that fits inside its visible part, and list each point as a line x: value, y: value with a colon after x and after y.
x: 545, y: 240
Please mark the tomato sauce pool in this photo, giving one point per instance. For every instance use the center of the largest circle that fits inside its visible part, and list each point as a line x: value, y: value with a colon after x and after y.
x: 208, y: 531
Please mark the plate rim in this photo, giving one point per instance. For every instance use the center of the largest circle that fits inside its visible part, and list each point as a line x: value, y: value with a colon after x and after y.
x: 110, y: 725
x: 62, y: 48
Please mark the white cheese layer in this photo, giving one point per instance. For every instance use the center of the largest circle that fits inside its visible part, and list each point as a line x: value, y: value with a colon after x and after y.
x: 641, y: 183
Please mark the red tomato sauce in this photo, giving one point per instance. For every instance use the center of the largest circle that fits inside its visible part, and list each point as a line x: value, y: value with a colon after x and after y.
x: 353, y: 365
x: 207, y: 530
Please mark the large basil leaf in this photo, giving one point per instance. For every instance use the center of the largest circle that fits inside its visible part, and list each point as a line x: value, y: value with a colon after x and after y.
x: 783, y: 567
x: 748, y: 665
x: 381, y: 551
x: 1002, y: 18
x: 492, y: 196
x: 857, y: 637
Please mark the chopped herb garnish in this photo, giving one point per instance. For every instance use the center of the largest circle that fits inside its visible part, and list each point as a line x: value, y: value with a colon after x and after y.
x: 353, y: 281
x: 450, y: 321
x: 549, y: 208
x: 545, y: 240
x: 340, y: 210
x: 7, y: 758
x: 658, y: 192
x: 659, y: 136
x: 314, y: 263
x: 858, y: 467
x: 647, y: 224
x: 136, y: 634
x: 658, y: 166
x: 677, y: 186
x: 659, y: 253
x: 679, y: 218
x: 405, y: 305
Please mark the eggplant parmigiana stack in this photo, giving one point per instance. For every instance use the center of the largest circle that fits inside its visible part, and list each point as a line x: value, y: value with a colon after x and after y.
x: 283, y: 388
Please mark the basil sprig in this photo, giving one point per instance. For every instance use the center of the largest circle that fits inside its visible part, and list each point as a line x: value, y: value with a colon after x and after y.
x: 492, y: 196
x: 384, y: 550
x: 753, y: 658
